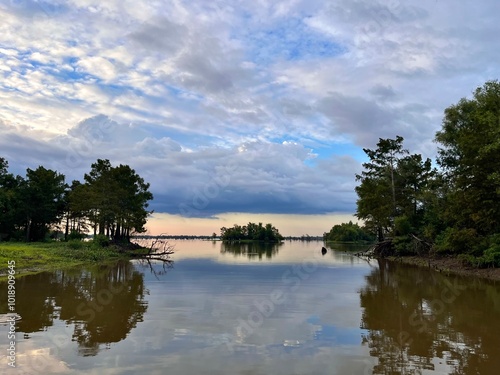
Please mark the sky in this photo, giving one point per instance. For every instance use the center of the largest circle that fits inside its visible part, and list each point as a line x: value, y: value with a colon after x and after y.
x: 235, y: 111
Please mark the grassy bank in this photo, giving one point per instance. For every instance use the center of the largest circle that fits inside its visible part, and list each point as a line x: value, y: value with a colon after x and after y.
x: 41, y: 256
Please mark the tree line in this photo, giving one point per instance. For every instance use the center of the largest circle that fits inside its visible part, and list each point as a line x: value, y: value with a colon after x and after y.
x: 110, y: 201
x: 348, y: 232
x: 450, y: 206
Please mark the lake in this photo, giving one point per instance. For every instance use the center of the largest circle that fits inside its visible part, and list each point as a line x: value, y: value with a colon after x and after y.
x: 253, y: 310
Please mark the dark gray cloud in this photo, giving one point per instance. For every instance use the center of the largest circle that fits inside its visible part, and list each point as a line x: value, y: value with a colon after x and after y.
x: 254, y: 177
x: 160, y: 35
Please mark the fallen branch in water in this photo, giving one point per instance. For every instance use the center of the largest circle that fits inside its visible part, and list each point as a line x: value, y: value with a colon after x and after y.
x: 158, y: 247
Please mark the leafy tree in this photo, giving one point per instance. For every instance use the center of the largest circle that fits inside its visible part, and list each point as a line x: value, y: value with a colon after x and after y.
x: 377, y: 192
x: 470, y: 160
x: 348, y: 232
x: 469, y: 155
x: 133, y: 196
x: 9, y: 200
x: 415, y: 179
x: 115, y: 200
x: 42, y: 198
x: 75, y: 215
x: 394, y: 194
x: 100, y: 189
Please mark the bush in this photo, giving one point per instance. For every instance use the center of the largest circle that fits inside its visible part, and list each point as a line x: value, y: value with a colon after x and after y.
x: 402, y: 226
x: 489, y: 258
x: 75, y: 235
x: 101, y: 240
x: 455, y: 241
x: 403, y: 245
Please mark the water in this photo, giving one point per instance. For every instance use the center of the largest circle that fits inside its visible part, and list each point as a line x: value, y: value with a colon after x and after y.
x: 251, y: 310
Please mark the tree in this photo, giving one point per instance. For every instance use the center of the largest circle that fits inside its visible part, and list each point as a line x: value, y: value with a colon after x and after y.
x: 348, y: 232
x: 115, y: 198
x: 9, y: 200
x: 394, y: 196
x: 132, y: 200
x: 377, y: 192
x: 42, y: 197
x: 469, y: 155
x: 413, y: 180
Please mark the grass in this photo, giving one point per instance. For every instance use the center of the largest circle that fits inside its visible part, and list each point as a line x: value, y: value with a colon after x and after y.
x: 41, y: 256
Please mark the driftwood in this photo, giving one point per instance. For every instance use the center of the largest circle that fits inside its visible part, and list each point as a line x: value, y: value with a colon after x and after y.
x: 420, y: 245
x: 159, y: 249
x: 380, y: 249
x: 386, y: 248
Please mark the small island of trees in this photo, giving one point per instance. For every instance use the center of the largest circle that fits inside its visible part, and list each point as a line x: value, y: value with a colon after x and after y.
x: 251, y: 232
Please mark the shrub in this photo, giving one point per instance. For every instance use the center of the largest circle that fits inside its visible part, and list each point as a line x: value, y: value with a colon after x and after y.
x: 489, y: 258
x: 76, y: 244
x: 453, y: 241
x: 101, y: 240
x: 402, y: 226
x: 75, y: 235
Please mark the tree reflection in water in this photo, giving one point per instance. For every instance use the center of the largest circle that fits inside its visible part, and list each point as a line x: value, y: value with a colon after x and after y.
x: 103, y: 302
x: 420, y: 320
x: 251, y: 249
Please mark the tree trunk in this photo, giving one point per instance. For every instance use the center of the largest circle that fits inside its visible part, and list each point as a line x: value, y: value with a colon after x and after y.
x: 380, y: 234
x: 67, y: 227
x: 118, y: 233
x: 101, y: 227
x: 28, y: 228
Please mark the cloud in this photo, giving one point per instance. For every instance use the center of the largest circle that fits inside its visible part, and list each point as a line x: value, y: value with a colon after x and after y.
x: 290, y: 91
x: 254, y: 177
x: 160, y: 35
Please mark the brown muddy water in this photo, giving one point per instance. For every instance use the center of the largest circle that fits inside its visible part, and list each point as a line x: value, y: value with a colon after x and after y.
x: 252, y: 310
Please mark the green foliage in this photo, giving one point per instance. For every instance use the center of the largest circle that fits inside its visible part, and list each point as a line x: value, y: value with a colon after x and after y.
x: 36, y: 256
x: 402, y: 226
x: 455, y: 209
x: 395, y: 192
x: 115, y: 199
x: 454, y: 241
x: 93, y: 253
x: 101, y: 240
x: 75, y: 235
x: 348, y: 232
x: 469, y: 155
x: 393, y: 184
x: 32, y: 204
x: 76, y: 244
x: 251, y: 232
x: 112, y: 199
x: 402, y: 245
x: 42, y: 201
x: 489, y: 258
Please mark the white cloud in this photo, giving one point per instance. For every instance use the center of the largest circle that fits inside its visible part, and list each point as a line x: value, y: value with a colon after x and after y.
x: 97, y: 66
x: 190, y: 83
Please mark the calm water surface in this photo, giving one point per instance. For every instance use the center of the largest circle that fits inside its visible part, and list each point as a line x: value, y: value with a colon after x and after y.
x: 251, y: 310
